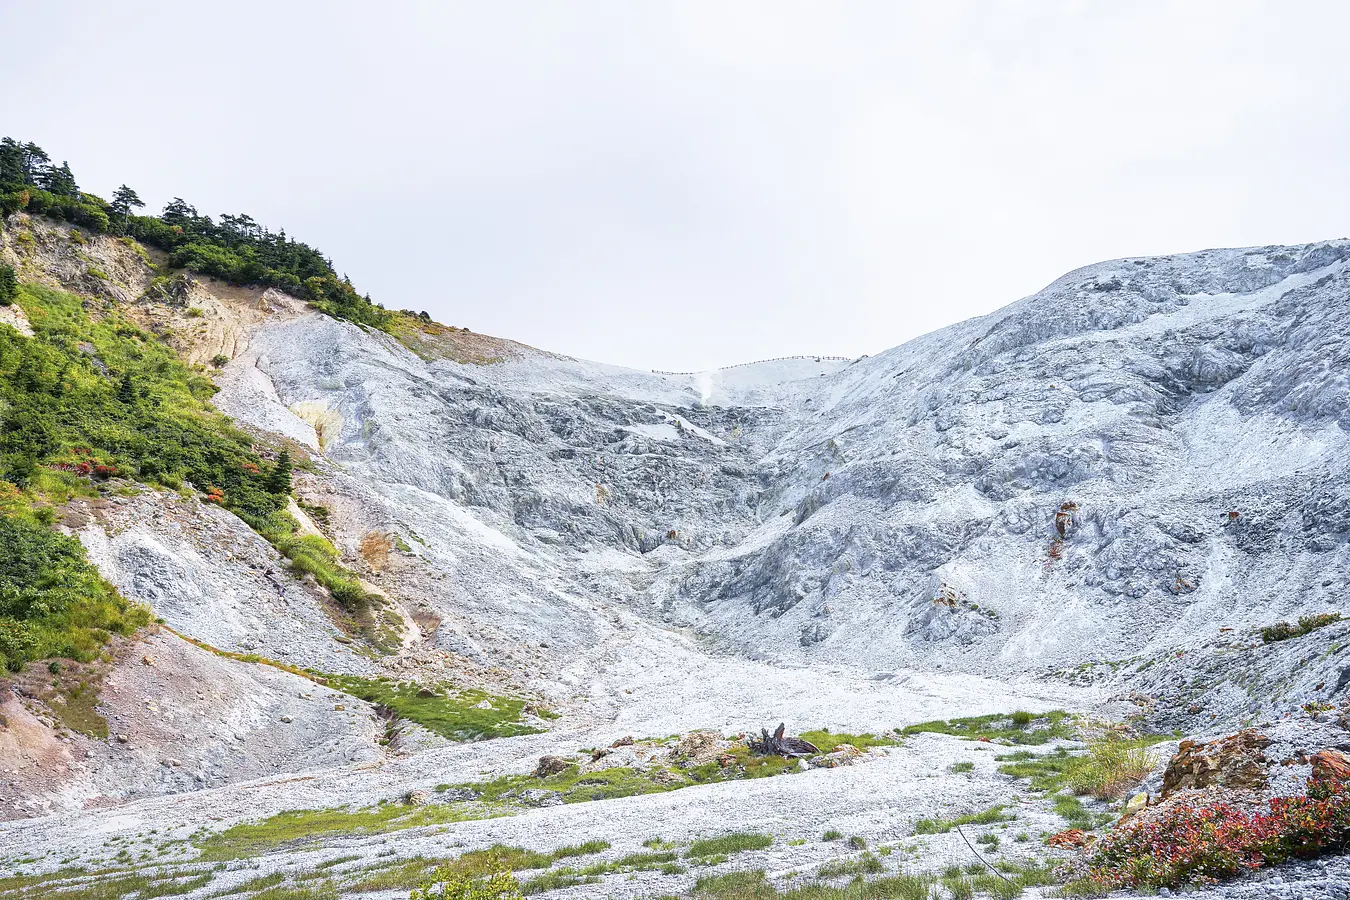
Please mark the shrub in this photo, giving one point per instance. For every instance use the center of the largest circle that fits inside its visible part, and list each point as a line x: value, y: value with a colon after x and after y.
x: 9, y: 285
x: 446, y: 883
x: 1191, y: 843
x: 1283, y: 631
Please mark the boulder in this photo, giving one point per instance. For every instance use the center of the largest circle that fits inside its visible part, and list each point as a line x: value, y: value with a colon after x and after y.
x: 698, y: 747
x: 1236, y: 761
x: 843, y: 755
x: 550, y: 765
x: 1331, y: 765
x: 1072, y: 839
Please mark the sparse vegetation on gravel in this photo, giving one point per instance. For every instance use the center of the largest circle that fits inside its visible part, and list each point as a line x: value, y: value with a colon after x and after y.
x: 988, y: 816
x: 309, y: 826
x: 455, y: 713
x: 1017, y: 728
x: 753, y: 885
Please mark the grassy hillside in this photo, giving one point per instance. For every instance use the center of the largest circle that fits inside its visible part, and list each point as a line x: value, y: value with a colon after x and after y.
x: 91, y: 397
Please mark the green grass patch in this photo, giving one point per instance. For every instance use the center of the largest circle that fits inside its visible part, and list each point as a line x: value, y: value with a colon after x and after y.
x: 554, y: 881
x: 1047, y: 772
x: 309, y: 826
x: 322, y: 890
x: 402, y: 876
x: 1015, y: 728
x: 253, y: 885
x: 828, y: 742
x: 1077, y: 815
x: 574, y: 787
x: 990, y: 816
x: 451, y: 712
x: 866, y: 864
x: 589, y: 848
x: 727, y: 844
x: 174, y: 887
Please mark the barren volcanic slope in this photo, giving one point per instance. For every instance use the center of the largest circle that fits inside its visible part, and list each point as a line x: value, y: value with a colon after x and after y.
x: 1091, y: 501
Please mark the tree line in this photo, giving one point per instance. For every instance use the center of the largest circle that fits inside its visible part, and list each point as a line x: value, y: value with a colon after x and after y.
x: 233, y: 248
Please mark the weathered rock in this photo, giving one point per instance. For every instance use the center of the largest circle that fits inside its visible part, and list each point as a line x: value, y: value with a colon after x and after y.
x: 843, y: 755
x: 1071, y: 839
x: 698, y: 747
x: 1332, y: 765
x: 1236, y: 762
x: 550, y: 765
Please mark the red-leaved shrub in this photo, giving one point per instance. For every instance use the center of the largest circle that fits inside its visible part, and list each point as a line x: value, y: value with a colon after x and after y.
x: 1205, y: 843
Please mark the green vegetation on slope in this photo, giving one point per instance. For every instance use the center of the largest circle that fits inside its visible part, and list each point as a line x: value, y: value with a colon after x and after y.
x: 1017, y: 728
x: 454, y: 713
x: 52, y: 602
x: 235, y: 249
x: 88, y: 398
x: 92, y: 397
x: 1283, y: 631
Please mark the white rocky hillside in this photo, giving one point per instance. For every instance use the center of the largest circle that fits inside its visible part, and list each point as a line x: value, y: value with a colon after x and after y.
x: 1141, y: 459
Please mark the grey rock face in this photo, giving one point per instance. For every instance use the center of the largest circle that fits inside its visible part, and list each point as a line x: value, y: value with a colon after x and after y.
x: 1109, y: 471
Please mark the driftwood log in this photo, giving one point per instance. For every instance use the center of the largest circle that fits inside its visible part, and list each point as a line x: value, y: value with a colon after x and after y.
x: 778, y: 744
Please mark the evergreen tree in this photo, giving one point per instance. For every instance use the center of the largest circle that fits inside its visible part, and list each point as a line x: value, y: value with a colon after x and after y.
x: 179, y: 212
x: 279, y: 482
x: 9, y: 285
x: 126, y: 391
x: 123, y: 202
x: 35, y: 162
x: 60, y: 180
x: 12, y: 171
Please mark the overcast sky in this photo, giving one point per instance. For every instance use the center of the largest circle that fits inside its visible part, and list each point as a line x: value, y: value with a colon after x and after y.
x: 689, y: 185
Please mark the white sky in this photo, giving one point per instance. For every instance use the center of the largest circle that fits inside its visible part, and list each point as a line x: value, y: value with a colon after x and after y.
x: 687, y: 185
